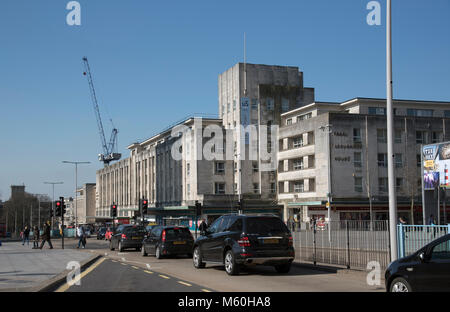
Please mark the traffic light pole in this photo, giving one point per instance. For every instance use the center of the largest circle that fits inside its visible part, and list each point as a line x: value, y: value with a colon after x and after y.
x: 62, y: 221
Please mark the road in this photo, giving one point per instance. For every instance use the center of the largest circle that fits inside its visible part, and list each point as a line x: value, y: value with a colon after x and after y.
x: 126, y: 271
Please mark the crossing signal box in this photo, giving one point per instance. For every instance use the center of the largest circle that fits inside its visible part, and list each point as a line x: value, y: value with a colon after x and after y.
x: 58, y: 208
x: 144, y: 206
x: 113, y: 210
x: 51, y: 212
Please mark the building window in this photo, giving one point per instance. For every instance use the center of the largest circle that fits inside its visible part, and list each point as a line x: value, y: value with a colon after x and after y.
x: 398, y: 161
x: 398, y: 184
x: 234, y: 105
x: 298, y: 142
x: 381, y: 135
x: 419, y: 161
x: 298, y: 164
x: 356, y: 135
x: 398, y: 136
x: 289, y: 121
x: 421, y: 137
x: 228, y: 107
x: 254, y: 104
x: 419, y: 112
x: 284, y: 105
x: 273, y: 188
x: 382, y: 160
x: 312, y: 185
x: 311, y: 161
x: 188, y: 186
x: 377, y: 111
x: 256, y: 188
x: 304, y: 117
x: 269, y: 103
x: 220, y: 168
x: 357, y: 161
x: 358, y: 184
x: 436, y: 137
x: 255, y: 166
x: 299, y: 187
x: 219, y: 188
x: 188, y: 169
x: 382, y: 184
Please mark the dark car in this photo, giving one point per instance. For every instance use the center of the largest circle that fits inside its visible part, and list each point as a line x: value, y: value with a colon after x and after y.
x: 428, y: 269
x: 168, y: 240
x: 101, y: 233
x: 237, y: 240
x: 127, y: 236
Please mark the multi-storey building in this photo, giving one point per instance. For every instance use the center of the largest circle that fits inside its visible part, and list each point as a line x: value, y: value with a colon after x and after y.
x: 337, y: 153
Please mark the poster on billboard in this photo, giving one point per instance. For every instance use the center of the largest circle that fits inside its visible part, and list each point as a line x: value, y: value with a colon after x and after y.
x: 436, y: 163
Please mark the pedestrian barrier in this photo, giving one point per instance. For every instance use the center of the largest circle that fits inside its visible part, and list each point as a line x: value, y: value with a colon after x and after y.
x: 411, y: 238
x: 349, y: 243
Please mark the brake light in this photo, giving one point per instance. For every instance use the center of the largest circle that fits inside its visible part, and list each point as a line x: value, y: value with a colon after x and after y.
x: 244, y: 242
x: 291, y: 243
x: 124, y: 236
x: 164, y: 235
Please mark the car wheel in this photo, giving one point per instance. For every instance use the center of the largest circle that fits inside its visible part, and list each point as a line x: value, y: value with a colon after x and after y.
x: 230, y: 264
x: 158, y: 253
x: 400, y: 284
x: 198, y: 259
x: 111, y: 246
x: 283, y: 268
x: 120, y: 247
x: 143, y: 252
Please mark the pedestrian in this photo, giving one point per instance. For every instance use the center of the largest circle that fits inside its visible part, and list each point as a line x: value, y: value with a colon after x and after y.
x: 26, y: 236
x: 81, y: 236
x: 46, y: 236
x: 36, y: 235
x: 203, y: 226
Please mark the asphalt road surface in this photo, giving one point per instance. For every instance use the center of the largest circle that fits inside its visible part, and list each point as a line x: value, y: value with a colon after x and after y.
x: 128, y: 273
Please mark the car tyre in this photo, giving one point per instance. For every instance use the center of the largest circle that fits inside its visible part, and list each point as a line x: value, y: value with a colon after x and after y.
x: 231, y: 267
x: 400, y: 284
x: 143, y: 252
x: 120, y: 247
x: 198, y: 259
x: 158, y: 253
x: 283, y: 268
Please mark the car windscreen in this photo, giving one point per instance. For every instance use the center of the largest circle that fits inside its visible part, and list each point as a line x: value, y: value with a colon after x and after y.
x: 265, y: 226
x: 176, y: 233
x: 134, y: 230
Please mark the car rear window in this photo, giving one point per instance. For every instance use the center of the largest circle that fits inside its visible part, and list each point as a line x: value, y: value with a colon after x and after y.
x: 134, y: 230
x: 174, y: 233
x: 265, y: 226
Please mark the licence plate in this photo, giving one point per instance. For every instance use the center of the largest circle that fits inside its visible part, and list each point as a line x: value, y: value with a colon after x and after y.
x: 136, y: 238
x: 179, y: 243
x: 271, y: 241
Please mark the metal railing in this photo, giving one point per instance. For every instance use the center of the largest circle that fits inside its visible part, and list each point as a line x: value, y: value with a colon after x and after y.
x: 348, y: 243
x: 413, y: 237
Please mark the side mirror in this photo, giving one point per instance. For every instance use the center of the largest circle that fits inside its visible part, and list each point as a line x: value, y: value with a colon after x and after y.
x: 422, y: 256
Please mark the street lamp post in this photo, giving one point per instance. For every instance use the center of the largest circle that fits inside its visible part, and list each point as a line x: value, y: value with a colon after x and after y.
x: 390, y: 145
x: 76, y: 163
x: 53, y: 199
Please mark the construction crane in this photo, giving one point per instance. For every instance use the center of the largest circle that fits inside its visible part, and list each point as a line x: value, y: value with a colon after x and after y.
x: 109, y: 149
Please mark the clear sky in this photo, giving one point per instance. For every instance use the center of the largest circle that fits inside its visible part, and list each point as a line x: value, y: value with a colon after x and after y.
x: 155, y: 62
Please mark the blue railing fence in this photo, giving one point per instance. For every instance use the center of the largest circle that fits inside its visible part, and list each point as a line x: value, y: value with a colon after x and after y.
x: 411, y: 238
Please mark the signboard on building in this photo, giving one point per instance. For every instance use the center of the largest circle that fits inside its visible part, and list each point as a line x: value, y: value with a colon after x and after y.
x: 436, y: 164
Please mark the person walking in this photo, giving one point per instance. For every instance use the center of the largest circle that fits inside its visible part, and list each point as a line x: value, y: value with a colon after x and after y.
x: 36, y: 235
x: 46, y: 235
x: 26, y: 236
x: 81, y: 236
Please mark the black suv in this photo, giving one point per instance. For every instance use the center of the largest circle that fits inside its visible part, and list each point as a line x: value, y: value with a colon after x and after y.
x: 168, y: 240
x: 127, y: 236
x: 236, y: 240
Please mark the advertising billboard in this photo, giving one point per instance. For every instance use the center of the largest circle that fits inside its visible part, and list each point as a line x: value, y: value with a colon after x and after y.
x: 436, y: 164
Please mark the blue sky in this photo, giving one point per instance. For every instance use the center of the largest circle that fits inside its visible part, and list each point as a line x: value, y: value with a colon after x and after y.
x: 155, y: 62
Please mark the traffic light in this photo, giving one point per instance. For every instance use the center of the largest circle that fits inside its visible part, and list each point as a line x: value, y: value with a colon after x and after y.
x: 51, y: 212
x: 239, y: 205
x: 63, y: 206
x: 58, y: 208
x: 113, y: 210
x: 198, y: 208
x: 144, y: 205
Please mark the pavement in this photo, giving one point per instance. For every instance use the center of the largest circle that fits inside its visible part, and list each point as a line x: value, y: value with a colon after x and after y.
x: 25, y: 269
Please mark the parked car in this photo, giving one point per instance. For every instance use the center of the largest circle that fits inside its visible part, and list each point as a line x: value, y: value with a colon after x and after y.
x: 428, y: 269
x: 237, y: 240
x: 168, y: 240
x: 127, y: 236
x: 101, y: 233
